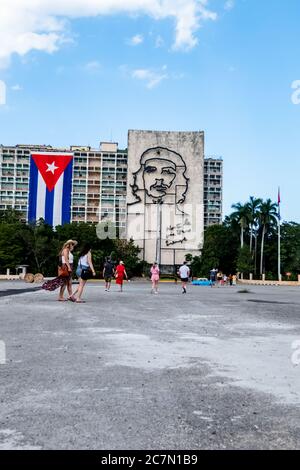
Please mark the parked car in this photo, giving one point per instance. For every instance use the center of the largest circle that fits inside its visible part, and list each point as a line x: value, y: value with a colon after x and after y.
x: 202, y: 281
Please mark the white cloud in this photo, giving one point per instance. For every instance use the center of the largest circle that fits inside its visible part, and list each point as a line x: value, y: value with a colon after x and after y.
x: 27, y: 25
x: 17, y: 88
x: 229, y: 5
x: 93, y: 66
x: 136, y: 40
x: 151, y: 77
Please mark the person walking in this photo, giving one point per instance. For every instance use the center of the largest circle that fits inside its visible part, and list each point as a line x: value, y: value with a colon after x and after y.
x: 108, y: 273
x: 65, y: 268
x: 120, y: 273
x: 66, y: 260
x: 213, y: 277
x: 154, y: 278
x: 184, y: 273
x: 219, y: 278
x: 85, y: 270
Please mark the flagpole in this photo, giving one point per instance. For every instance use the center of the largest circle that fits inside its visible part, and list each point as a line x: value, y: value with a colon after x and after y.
x: 279, y: 250
x: 279, y: 238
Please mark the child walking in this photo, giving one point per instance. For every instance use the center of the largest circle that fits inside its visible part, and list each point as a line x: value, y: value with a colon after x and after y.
x: 154, y: 278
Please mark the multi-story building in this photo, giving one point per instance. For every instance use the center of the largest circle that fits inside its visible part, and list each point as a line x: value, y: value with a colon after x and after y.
x: 213, y: 191
x: 14, y: 176
x: 99, y: 182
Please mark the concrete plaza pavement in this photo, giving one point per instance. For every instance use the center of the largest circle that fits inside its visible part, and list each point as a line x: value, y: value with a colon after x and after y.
x: 213, y: 369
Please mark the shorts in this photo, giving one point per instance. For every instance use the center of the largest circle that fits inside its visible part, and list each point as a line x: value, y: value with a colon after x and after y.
x: 184, y: 279
x: 107, y: 278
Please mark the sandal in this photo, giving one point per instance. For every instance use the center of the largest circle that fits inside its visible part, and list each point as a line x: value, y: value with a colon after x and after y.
x: 72, y: 298
x: 80, y: 301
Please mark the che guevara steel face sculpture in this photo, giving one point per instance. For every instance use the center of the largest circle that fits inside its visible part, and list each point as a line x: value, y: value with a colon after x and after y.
x: 161, y: 179
x: 162, y: 174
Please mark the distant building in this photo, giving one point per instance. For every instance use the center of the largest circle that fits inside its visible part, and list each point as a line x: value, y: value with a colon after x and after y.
x: 165, y: 194
x: 99, y: 182
x: 213, y: 191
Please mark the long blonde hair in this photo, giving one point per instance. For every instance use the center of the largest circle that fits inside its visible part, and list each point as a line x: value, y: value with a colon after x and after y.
x: 67, y: 245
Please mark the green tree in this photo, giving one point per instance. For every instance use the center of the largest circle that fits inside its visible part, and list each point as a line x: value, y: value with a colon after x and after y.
x: 40, y: 247
x: 84, y: 233
x: 10, y: 216
x: 220, y: 250
x: 242, y: 216
x: 188, y: 257
x: 290, y: 248
x: 11, y: 248
x: 98, y: 260
x: 254, y: 211
x: 244, y: 261
x: 128, y: 252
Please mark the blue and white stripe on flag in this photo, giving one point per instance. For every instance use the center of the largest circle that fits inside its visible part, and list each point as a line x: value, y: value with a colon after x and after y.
x: 50, y: 188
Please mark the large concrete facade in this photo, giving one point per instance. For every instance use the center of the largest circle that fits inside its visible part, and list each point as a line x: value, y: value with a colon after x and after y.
x: 99, y: 183
x: 165, y: 210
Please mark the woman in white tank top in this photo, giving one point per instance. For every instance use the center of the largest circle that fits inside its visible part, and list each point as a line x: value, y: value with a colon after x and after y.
x: 67, y: 259
x: 85, y: 265
x: 70, y: 260
x: 83, y: 260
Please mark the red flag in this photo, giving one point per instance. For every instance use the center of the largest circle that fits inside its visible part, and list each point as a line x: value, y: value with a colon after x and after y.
x: 51, y: 166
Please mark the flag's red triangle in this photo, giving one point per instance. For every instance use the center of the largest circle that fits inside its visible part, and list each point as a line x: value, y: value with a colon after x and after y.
x: 51, y: 166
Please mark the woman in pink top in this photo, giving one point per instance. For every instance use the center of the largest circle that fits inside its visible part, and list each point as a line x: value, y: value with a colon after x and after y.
x: 154, y: 278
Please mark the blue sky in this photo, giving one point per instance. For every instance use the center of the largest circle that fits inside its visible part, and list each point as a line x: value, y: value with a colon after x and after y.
x: 104, y: 74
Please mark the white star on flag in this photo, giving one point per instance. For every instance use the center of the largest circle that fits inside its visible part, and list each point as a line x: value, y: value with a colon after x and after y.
x: 51, y: 167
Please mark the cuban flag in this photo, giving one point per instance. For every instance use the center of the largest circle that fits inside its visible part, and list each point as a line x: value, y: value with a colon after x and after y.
x: 50, y: 187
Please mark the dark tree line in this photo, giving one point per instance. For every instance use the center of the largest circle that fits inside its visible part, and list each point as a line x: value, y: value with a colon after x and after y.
x: 37, y: 245
x: 247, y: 242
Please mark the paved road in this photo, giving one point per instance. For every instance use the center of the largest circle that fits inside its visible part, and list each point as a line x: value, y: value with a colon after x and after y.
x: 209, y: 370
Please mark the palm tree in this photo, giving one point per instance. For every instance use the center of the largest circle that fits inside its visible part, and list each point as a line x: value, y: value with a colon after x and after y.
x: 242, y: 216
x: 254, y: 206
x: 232, y: 223
x: 267, y: 217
